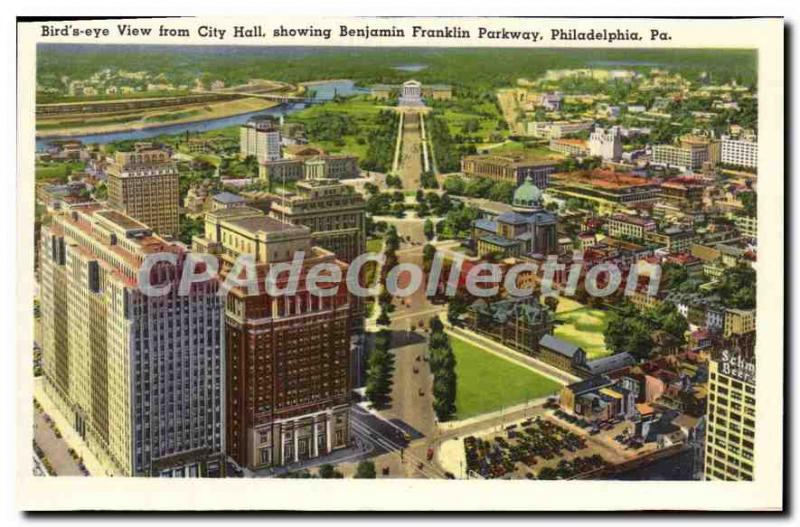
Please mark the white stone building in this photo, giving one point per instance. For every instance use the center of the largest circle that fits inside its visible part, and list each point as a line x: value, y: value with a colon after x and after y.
x: 739, y: 152
x: 606, y: 143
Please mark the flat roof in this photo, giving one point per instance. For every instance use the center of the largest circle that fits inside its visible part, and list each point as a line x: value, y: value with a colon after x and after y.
x: 264, y: 224
x: 120, y: 219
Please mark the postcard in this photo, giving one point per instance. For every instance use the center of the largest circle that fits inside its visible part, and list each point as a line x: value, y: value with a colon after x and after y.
x: 410, y: 264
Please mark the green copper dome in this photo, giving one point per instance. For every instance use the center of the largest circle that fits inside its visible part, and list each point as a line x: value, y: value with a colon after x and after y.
x: 527, y: 195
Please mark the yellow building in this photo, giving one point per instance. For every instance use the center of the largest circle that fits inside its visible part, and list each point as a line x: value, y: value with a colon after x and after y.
x: 111, y: 353
x: 334, y: 213
x: 730, y: 432
x: 739, y: 321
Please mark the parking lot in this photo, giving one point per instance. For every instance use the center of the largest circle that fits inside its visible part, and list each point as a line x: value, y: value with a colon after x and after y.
x: 534, y: 448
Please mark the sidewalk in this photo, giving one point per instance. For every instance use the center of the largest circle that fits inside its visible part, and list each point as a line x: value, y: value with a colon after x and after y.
x: 68, y: 434
x: 352, y: 453
x: 509, y: 411
x: 55, y: 450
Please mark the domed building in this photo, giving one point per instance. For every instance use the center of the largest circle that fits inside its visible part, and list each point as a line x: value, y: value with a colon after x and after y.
x: 527, y: 229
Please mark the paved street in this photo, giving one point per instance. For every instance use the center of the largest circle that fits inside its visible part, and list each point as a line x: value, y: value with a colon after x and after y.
x: 410, y: 162
x: 55, y: 449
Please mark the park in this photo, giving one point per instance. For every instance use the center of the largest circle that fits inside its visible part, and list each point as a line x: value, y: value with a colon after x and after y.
x: 488, y: 383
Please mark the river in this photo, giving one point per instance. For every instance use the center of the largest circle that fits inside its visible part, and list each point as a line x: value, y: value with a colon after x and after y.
x: 323, y: 91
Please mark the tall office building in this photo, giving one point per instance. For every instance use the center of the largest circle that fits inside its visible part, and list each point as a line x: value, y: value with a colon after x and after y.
x: 261, y: 137
x: 287, y: 354
x: 606, y: 143
x: 730, y: 431
x: 140, y: 377
x: 144, y: 184
x: 334, y: 213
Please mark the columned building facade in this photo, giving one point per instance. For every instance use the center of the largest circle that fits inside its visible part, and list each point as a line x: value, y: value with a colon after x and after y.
x: 288, y: 353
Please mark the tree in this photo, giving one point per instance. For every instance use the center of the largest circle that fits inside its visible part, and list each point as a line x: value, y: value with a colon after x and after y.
x: 328, y: 471
x: 423, y: 209
x: 383, y: 319
x: 190, y: 227
x: 379, y: 370
x: 392, y: 239
x: 251, y: 164
x: 548, y: 473
x: 444, y: 394
x: 628, y: 332
x: 454, y: 185
x: 456, y: 307
x: 443, y: 366
x: 551, y: 302
x: 674, y: 275
x: 428, y: 254
x: 365, y: 470
x: 749, y: 201
x: 737, y: 287
x: 428, y: 229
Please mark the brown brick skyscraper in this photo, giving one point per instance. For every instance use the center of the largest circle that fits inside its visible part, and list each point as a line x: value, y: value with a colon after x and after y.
x: 144, y: 185
x: 287, y: 356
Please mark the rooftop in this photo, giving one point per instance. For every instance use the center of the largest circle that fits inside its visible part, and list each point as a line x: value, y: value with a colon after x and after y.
x: 592, y: 383
x: 611, y: 363
x: 255, y: 224
x: 602, y: 178
x: 513, y: 159
x: 228, y: 198
x: 559, y: 346
x: 122, y: 220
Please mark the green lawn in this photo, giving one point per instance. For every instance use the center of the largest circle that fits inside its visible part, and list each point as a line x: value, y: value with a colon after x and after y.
x: 57, y: 169
x: 360, y: 108
x: 487, y: 382
x: 516, y: 147
x: 584, y: 327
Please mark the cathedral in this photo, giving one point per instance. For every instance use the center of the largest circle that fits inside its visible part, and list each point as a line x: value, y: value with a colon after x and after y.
x: 527, y: 229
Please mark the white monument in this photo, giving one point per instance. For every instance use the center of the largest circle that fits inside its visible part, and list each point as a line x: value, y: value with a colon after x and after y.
x: 411, y: 94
